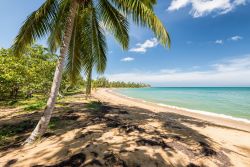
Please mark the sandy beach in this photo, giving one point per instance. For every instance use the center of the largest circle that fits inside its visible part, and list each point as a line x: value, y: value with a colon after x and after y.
x: 112, y: 130
x: 226, y: 133
x: 109, y: 95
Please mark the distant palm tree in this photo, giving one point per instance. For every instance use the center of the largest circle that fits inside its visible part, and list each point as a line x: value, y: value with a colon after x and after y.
x: 64, y: 20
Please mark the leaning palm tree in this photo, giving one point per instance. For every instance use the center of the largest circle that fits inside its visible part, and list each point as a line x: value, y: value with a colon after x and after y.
x: 88, y: 44
x: 57, y: 17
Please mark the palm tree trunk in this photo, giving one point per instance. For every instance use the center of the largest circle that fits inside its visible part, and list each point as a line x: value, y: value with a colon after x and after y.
x: 88, y: 86
x: 42, y: 125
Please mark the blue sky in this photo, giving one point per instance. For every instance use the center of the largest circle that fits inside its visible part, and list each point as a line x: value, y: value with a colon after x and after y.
x: 210, y: 43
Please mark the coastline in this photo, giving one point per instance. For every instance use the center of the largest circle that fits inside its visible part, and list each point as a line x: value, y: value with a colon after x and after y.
x: 132, y: 132
x: 220, y: 119
x: 203, y: 112
x: 230, y: 135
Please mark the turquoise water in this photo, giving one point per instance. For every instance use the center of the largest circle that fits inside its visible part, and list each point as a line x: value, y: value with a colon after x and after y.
x: 230, y: 101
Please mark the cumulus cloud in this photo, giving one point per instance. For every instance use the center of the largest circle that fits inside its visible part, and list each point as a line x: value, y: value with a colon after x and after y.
x: 127, y: 59
x: 204, y: 7
x: 218, y: 41
x: 236, y: 38
x: 232, y: 72
x: 142, y: 47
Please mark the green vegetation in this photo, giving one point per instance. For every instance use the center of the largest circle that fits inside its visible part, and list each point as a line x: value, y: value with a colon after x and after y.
x: 27, y: 74
x: 25, y: 80
x: 75, y: 27
x: 8, y: 132
x: 94, y: 105
x: 35, y: 106
x: 13, y: 133
x: 102, y: 82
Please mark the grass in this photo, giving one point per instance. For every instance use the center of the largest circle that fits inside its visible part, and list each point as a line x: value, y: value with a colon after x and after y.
x: 35, y: 106
x: 72, y: 92
x: 57, y: 123
x: 9, y: 132
x: 14, y: 132
x: 94, y: 105
x: 23, y: 102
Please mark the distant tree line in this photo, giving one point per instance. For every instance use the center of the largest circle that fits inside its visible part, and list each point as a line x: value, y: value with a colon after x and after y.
x: 103, y: 82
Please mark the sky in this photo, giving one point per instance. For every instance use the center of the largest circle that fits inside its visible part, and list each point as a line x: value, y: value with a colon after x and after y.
x: 210, y: 43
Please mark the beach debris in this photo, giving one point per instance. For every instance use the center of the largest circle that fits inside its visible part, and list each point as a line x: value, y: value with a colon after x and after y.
x: 113, y: 124
x: 10, y: 162
x: 173, y: 125
x: 94, y: 162
x: 153, y: 142
x: 48, y: 134
x: 113, y: 160
x: 131, y: 128
x: 167, y: 136
x: 84, y: 135
x: 192, y: 165
x: 75, y: 160
x: 123, y: 112
x: 70, y: 117
x: 206, y: 149
x: 95, y: 154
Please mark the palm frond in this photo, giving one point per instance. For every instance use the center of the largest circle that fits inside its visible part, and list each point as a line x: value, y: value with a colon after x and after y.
x: 36, y: 26
x: 114, y: 21
x: 98, y: 44
x: 74, y: 62
x: 142, y: 14
x: 93, y: 40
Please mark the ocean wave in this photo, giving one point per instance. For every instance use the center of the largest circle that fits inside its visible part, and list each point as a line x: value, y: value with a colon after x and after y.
x: 206, y: 113
x: 187, y: 109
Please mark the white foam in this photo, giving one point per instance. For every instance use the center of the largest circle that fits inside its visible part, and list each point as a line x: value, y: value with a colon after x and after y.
x: 193, y: 111
x: 206, y: 113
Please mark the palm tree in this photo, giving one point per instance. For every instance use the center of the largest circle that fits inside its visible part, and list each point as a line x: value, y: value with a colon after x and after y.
x: 59, y: 18
x: 88, y: 44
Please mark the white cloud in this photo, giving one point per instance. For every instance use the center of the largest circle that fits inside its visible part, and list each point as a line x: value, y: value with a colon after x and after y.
x: 195, y: 67
x: 142, y: 48
x: 205, y: 7
x: 127, y: 59
x: 234, y: 65
x: 218, y: 41
x: 233, y: 72
x: 169, y: 71
x: 236, y: 38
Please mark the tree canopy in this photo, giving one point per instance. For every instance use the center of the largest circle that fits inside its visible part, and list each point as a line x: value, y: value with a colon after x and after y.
x: 29, y: 73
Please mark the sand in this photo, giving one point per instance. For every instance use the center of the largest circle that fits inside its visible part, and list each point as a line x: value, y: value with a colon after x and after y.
x: 130, y: 132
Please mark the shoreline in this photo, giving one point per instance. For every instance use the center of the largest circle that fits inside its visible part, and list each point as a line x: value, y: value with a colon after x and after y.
x: 203, y: 112
x: 127, y: 131
x: 220, y: 119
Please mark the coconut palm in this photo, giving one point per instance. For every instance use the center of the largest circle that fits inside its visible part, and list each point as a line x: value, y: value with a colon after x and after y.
x: 59, y: 18
x: 88, y: 44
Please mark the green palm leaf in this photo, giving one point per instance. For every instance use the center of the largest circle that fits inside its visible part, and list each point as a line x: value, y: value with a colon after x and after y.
x: 114, y: 22
x: 142, y: 14
x: 36, y: 26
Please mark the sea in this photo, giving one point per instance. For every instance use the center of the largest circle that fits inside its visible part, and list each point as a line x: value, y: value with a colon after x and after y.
x: 229, y: 102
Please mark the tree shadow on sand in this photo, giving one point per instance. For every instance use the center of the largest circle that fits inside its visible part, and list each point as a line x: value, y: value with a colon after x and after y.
x: 115, y: 135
